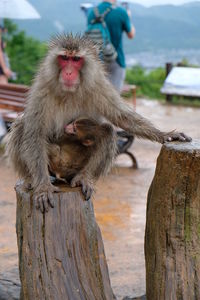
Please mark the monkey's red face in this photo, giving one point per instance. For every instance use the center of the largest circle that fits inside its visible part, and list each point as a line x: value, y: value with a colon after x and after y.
x: 70, y: 66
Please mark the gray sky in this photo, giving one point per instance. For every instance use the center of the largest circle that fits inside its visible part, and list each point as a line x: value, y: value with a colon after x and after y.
x: 161, y: 2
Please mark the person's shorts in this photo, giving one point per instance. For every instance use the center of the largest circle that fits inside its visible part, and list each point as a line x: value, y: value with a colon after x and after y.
x: 1, y: 71
x: 116, y: 75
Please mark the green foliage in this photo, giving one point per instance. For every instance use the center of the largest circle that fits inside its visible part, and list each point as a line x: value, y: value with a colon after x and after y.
x: 148, y: 83
x: 185, y: 63
x: 24, y: 53
x: 186, y: 101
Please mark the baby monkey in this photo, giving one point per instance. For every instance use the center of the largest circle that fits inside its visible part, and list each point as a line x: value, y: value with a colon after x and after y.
x: 71, y: 152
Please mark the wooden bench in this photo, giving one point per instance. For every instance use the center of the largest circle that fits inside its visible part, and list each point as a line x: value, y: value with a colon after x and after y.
x: 12, y: 100
x: 181, y: 81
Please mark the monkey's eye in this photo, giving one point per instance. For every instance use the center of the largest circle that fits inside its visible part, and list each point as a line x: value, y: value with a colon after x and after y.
x: 65, y: 57
x: 76, y: 58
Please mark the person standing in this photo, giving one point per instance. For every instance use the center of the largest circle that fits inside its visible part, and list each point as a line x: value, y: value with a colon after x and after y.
x: 117, y: 21
x: 5, y: 72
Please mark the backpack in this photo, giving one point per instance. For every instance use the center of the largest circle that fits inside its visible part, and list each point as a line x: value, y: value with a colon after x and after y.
x: 98, y: 32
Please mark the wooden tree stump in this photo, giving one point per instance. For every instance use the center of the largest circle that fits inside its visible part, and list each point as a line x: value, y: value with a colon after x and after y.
x: 61, y: 253
x: 172, y: 238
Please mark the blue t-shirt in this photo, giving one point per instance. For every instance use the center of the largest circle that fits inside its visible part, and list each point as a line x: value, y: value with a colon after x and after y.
x: 117, y: 21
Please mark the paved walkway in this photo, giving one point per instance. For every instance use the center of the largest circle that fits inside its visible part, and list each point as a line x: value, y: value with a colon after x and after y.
x: 120, y: 203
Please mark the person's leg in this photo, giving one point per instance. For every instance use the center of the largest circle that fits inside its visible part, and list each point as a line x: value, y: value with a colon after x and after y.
x: 116, y: 75
x: 3, y: 79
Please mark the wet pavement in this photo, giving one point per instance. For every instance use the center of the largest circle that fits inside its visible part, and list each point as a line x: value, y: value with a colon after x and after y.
x: 120, y: 203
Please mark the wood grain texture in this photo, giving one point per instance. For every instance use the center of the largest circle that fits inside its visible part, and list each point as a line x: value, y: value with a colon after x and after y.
x: 172, y: 238
x: 61, y: 253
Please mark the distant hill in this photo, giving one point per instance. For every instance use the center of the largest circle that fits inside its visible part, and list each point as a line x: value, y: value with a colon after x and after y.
x: 157, y: 27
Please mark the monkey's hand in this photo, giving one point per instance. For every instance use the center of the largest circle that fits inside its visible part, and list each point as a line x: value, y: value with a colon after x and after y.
x: 43, y: 196
x: 176, y: 136
x: 85, y: 183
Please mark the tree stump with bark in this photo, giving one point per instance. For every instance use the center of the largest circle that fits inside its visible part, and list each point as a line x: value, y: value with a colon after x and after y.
x: 61, y: 253
x: 172, y: 238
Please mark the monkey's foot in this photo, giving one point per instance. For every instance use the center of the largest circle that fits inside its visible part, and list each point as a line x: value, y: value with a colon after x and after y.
x: 26, y: 185
x: 176, y: 136
x: 44, y: 197
x: 86, y: 185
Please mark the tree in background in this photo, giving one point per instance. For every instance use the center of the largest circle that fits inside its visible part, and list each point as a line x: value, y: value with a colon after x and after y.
x: 24, y: 53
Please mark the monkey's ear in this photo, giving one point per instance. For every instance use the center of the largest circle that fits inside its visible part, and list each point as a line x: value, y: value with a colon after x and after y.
x: 88, y: 142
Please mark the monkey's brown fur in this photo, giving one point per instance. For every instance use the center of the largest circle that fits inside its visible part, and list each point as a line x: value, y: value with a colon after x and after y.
x: 70, y: 153
x: 50, y: 105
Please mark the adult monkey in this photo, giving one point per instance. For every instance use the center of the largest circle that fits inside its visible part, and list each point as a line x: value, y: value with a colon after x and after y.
x: 70, y: 83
